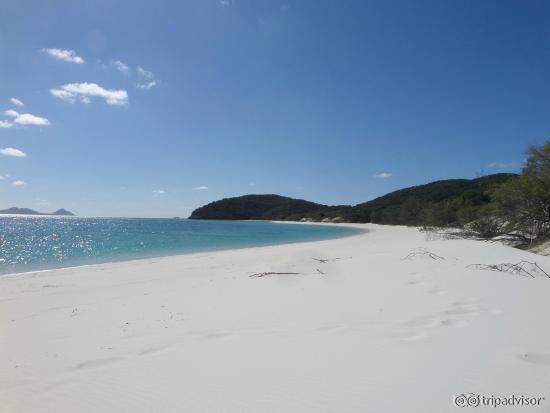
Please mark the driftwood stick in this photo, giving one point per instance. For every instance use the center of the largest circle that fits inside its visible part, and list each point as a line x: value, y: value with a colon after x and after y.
x: 535, y: 266
x: 422, y: 252
x: 325, y: 260
x: 263, y: 274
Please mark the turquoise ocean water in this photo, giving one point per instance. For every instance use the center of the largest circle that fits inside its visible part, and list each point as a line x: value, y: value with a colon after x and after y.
x: 30, y: 243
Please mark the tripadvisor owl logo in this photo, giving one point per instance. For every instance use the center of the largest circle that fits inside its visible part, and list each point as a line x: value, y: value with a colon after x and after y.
x: 475, y: 400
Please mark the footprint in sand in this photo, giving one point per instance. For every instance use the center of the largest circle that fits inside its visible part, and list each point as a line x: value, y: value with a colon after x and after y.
x: 327, y: 327
x: 462, y: 308
x: 454, y: 323
x: 421, y: 323
x: 427, y: 323
x: 458, y: 315
x: 215, y: 334
x: 91, y: 364
x: 536, y: 358
x: 152, y: 350
x: 104, y: 362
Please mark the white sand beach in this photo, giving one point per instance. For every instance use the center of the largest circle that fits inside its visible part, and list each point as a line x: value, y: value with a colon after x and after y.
x: 196, y: 333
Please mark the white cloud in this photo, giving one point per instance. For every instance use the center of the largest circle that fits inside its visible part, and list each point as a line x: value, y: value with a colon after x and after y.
x: 503, y: 165
x: 145, y: 73
x: 383, y: 175
x: 151, y: 82
x: 1, y: 178
x: 158, y: 191
x: 30, y: 119
x: 120, y: 66
x: 147, y: 85
x: 19, y: 183
x: 63, y: 95
x: 25, y: 119
x: 64, y: 55
x: 5, y: 124
x: 201, y: 188
x: 16, y: 102
x: 12, y: 152
x: 82, y: 92
x: 225, y: 3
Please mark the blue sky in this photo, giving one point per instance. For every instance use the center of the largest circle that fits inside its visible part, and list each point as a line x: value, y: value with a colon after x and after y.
x: 134, y: 108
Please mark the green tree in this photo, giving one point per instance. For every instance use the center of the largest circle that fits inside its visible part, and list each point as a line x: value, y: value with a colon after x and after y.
x: 524, y: 201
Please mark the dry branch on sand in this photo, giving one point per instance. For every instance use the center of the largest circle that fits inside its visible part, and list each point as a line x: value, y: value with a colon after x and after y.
x: 523, y: 268
x: 422, y: 252
x: 325, y: 260
x: 263, y: 274
x: 317, y: 270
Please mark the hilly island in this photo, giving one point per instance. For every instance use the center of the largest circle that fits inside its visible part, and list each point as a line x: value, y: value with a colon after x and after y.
x: 442, y: 203
x: 28, y: 211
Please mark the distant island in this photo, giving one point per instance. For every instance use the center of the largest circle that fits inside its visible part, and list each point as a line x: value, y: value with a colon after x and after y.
x: 445, y: 202
x: 28, y: 211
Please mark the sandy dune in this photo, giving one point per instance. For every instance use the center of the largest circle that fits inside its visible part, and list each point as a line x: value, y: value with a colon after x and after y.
x: 196, y: 333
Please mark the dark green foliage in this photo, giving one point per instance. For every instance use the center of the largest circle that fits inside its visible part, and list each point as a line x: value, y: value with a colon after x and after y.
x: 449, y: 202
x: 443, y: 203
x: 524, y: 202
x: 270, y: 207
x: 486, y: 227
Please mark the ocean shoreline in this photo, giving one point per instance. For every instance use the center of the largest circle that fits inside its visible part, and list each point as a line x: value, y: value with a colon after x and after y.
x: 359, y: 227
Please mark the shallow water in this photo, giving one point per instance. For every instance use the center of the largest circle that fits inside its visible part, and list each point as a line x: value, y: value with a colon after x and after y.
x: 29, y: 243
